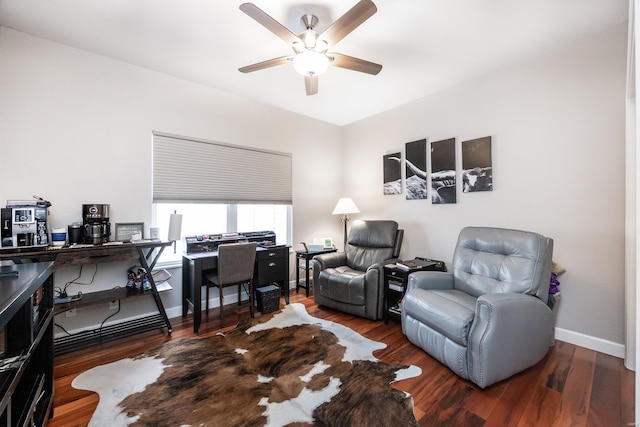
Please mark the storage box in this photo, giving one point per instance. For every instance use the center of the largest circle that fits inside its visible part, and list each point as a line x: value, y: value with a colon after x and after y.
x: 268, y: 298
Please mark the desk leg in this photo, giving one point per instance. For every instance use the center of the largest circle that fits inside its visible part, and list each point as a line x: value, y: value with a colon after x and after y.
x: 307, y: 278
x: 186, y: 285
x: 195, y: 271
x: 286, y: 282
x: 297, y: 273
x: 252, y: 290
x: 152, y: 283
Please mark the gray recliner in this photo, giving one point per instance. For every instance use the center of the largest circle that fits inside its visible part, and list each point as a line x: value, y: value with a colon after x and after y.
x: 488, y: 318
x: 353, y: 281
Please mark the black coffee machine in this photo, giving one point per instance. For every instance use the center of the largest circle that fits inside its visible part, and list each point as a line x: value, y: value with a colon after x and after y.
x: 97, y: 227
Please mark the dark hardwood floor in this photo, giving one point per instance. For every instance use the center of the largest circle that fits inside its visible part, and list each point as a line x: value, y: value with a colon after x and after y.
x: 571, y: 386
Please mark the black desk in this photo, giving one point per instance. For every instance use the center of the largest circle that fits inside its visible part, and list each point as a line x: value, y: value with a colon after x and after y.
x: 307, y: 256
x: 272, y: 266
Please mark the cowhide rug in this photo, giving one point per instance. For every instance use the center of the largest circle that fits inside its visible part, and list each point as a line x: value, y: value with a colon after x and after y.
x: 285, y: 369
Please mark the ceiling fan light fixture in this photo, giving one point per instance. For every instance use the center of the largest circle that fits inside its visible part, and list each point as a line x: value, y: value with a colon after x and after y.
x: 310, y: 63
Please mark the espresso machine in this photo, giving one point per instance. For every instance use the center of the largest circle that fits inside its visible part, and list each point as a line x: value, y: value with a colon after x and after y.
x: 23, y: 224
x: 97, y: 227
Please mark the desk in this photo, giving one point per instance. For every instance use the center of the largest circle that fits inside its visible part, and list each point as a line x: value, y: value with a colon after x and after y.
x: 272, y: 265
x: 307, y: 256
x: 145, y: 253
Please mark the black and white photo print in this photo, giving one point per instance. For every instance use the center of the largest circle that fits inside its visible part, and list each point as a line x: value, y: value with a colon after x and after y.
x: 443, y: 171
x: 477, y: 169
x: 392, y: 172
x: 416, y: 169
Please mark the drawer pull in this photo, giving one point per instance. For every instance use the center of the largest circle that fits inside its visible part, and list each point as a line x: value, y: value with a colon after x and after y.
x: 272, y: 254
x: 272, y: 264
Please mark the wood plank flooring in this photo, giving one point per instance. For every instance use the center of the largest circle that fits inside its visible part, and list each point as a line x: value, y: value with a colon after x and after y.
x: 571, y: 386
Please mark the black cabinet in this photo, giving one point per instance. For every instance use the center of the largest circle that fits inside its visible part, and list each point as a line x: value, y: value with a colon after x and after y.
x: 272, y: 266
x: 26, y: 340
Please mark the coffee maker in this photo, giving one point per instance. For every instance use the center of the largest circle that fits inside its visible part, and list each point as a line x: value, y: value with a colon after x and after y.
x: 97, y: 227
x: 23, y: 224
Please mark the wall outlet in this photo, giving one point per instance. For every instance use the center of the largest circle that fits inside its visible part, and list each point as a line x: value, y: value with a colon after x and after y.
x: 113, y: 305
x: 70, y: 313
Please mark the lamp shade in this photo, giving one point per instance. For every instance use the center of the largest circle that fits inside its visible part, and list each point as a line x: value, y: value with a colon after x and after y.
x: 345, y: 206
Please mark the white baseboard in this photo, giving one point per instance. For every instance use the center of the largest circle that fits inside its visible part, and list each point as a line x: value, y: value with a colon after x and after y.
x: 597, y: 344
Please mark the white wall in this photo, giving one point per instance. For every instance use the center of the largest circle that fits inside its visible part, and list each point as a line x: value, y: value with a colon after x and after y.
x: 557, y: 123
x: 75, y: 128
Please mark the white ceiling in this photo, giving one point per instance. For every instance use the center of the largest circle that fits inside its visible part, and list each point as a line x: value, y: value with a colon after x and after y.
x: 423, y: 45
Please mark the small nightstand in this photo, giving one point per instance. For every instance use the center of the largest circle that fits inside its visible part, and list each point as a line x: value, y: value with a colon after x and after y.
x: 307, y: 256
x: 395, y: 283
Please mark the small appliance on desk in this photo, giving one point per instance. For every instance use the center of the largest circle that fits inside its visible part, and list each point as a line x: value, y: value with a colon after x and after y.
x: 97, y: 227
x: 210, y: 242
x: 319, y: 244
x: 24, y: 224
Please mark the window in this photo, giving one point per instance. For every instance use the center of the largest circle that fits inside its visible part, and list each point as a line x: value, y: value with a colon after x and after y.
x: 219, y: 188
x: 198, y: 219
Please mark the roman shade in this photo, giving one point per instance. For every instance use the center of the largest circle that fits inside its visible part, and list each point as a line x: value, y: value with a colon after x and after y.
x: 194, y: 170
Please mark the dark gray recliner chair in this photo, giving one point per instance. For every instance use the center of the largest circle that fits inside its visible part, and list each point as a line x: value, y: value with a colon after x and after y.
x: 353, y: 281
x: 488, y: 318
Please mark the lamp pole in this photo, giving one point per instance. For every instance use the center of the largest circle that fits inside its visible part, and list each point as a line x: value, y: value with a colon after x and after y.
x: 344, y: 207
x: 345, y: 220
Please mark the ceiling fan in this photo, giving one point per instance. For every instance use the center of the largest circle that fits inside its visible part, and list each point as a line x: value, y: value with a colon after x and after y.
x: 311, y: 57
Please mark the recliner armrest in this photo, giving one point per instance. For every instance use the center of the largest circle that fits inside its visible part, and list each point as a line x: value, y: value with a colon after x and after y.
x: 330, y: 260
x: 510, y: 332
x: 430, y: 280
x: 380, y: 265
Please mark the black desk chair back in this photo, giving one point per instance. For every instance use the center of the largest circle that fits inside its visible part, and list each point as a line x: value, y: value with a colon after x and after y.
x: 235, y: 268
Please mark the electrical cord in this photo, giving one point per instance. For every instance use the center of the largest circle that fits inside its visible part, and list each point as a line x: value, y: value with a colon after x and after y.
x: 107, y: 318
x: 99, y: 329
x: 62, y: 292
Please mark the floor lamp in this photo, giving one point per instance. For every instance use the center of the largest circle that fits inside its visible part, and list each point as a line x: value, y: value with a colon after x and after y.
x: 345, y: 207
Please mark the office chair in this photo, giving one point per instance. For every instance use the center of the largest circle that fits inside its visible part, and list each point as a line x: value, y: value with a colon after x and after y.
x: 235, y: 267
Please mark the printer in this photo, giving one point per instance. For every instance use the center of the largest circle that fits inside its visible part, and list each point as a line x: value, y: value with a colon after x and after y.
x: 210, y: 242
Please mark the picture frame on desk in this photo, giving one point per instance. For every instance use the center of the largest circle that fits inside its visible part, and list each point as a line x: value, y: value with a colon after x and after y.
x: 124, y: 230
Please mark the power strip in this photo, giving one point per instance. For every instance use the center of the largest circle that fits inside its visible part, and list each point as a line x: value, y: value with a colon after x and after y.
x: 66, y: 300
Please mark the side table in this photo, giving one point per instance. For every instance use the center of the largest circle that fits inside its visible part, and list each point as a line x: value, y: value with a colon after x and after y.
x: 395, y: 283
x: 307, y: 256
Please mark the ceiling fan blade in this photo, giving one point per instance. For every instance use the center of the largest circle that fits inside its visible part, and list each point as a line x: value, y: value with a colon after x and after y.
x: 349, y: 22
x: 311, y: 84
x: 264, y: 64
x: 355, y: 64
x: 269, y: 23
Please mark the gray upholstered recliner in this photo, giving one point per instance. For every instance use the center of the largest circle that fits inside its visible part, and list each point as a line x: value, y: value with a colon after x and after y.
x: 353, y: 281
x: 488, y: 318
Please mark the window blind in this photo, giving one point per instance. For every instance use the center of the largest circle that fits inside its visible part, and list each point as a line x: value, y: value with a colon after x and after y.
x: 192, y: 170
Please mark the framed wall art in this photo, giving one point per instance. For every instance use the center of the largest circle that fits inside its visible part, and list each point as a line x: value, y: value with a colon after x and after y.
x: 477, y: 168
x: 129, y: 231
x: 443, y: 171
x: 392, y: 173
x: 416, y: 169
